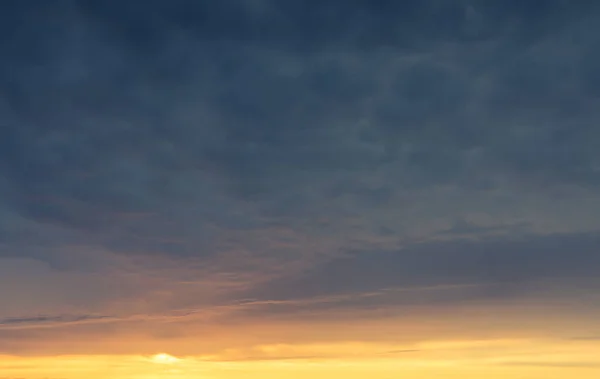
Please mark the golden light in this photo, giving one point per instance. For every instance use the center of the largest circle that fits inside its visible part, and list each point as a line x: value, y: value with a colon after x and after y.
x: 164, y: 359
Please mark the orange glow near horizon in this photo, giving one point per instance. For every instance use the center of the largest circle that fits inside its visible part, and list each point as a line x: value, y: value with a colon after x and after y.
x: 463, y: 344
x: 495, y: 359
x: 165, y: 359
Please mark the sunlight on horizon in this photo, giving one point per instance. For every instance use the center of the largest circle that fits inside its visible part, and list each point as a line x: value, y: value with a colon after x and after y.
x: 164, y: 358
x: 494, y: 359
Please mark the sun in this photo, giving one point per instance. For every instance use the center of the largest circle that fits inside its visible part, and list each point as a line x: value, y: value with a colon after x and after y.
x: 164, y: 359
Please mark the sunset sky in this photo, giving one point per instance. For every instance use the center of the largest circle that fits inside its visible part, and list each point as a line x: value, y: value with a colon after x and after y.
x: 317, y: 189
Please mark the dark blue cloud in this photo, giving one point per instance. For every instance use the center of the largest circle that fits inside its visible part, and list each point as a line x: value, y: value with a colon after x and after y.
x: 120, y: 62
x: 263, y: 137
x: 505, y: 267
x: 40, y: 320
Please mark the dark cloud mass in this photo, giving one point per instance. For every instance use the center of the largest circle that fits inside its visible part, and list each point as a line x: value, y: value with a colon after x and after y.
x: 292, y: 149
x: 48, y: 319
x: 493, y: 265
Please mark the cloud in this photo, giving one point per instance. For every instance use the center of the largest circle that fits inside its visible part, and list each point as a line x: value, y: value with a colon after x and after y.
x: 492, y: 265
x: 50, y: 320
x: 180, y: 155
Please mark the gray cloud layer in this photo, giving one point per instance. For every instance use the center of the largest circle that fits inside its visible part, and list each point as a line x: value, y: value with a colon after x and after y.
x: 304, y: 148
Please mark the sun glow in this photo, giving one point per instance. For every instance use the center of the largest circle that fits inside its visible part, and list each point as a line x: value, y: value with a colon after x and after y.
x: 164, y: 359
x: 452, y: 359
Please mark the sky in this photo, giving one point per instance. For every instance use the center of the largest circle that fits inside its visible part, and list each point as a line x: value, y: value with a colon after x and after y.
x: 266, y: 189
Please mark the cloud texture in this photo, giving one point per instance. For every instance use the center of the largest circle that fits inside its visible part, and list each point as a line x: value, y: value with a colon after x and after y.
x: 255, y: 158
